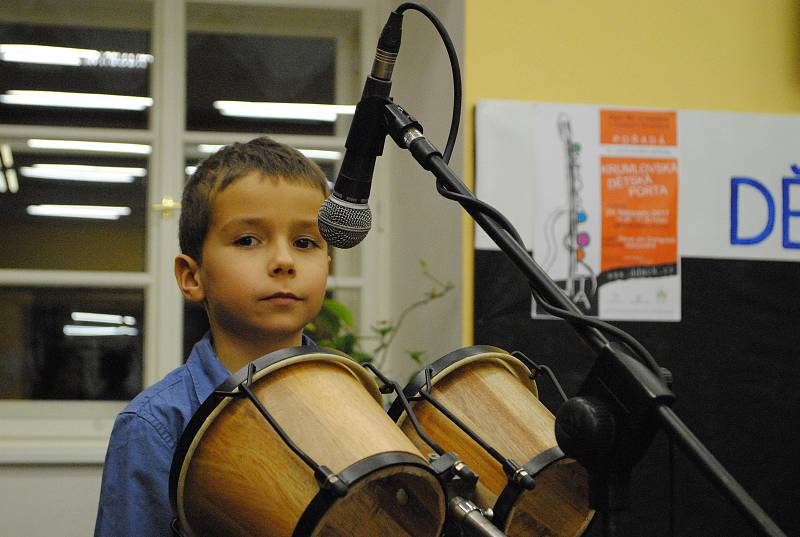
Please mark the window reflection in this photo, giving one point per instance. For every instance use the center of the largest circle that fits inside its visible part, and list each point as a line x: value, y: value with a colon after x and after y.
x: 74, y: 75
x: 71, y: 210
x: 58, y: 343
x: 262, y: 69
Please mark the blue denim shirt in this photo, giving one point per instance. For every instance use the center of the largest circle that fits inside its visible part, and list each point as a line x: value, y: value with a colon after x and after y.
x: 134, y: 496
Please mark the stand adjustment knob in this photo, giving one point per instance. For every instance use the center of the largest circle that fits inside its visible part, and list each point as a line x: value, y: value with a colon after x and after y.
x: 585, y: 429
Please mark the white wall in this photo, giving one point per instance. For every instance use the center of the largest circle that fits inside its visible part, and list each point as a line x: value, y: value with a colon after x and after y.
x: 48, y: 500
x: 423, y: 225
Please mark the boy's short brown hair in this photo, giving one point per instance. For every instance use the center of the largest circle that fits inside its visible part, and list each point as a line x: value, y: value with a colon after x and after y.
x: 272, y: 159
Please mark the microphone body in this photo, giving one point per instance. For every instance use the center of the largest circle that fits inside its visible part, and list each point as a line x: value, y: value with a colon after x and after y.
x: 345, y: 218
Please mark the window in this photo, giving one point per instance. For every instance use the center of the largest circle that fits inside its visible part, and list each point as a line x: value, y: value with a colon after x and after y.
x: 114, y: 100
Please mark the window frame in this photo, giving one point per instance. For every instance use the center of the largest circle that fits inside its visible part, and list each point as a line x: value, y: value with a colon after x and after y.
x: 76, y: 432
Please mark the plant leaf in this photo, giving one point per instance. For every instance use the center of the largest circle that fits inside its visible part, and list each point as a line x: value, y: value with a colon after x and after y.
x: 339, y: 310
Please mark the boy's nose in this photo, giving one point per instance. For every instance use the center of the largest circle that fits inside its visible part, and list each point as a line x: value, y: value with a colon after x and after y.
x: 281, y: 262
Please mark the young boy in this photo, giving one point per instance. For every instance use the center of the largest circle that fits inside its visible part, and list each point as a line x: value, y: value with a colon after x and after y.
x: 253, y: 256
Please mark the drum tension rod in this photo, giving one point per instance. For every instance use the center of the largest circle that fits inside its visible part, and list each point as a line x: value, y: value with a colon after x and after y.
x: 390, y: 386
x: 537, y: 370
x: 327, y: 479
x: 515, y: 471
x: 446, y: 465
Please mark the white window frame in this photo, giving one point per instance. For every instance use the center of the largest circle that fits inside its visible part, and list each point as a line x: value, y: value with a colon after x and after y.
x: 76, y: 432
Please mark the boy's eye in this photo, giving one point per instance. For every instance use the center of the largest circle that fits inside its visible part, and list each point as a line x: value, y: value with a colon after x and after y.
x: 305, y: 243
x: 247, y: 240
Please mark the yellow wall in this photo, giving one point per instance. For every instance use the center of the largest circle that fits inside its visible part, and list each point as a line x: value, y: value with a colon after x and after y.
x: 734, y: 55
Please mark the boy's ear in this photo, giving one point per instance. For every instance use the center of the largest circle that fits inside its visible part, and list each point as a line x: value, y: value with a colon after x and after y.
x: 187, y: 274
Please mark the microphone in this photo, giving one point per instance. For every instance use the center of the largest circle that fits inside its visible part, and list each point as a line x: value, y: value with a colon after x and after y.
x: 345, y: 218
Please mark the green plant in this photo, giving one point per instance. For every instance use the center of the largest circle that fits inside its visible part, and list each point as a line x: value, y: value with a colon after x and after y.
x: 334, y: 326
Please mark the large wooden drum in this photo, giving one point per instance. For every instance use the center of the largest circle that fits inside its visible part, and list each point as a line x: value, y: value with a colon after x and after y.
x: 233, y: 475
x: 492, y: 393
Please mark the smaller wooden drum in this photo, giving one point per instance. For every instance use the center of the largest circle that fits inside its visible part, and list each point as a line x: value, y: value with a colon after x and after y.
x: 233, y: 475
x: 492, y: 393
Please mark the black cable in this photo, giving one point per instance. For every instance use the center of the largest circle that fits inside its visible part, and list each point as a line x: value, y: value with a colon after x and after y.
x: 454, y: 66
x: 637, y: 348
x: 482, y: 207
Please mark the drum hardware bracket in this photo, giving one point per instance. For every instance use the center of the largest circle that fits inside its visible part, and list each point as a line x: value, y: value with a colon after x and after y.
x: 326, y: 479
x: 512, y: 469
x: 457, y: 478
x: 537, y: 370
x: 522, y: 477
x: 390, y: 386
x: 331, y: 482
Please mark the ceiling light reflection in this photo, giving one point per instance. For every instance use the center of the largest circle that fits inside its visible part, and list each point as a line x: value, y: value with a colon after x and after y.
x: 73, y: 172
x: 100, y: 212
x: 11, y: 179
x: 43, y: 54
x: 79, y: 145
x: 320, y: 154
x: 6, y: 156
x: 62, y: 99
x: 313, y: 154
x: 85, y: 317
x: 78, y: 330
x: 289, y: 111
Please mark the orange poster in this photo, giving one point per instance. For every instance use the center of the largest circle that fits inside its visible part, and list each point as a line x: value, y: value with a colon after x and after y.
x: 639, y: 215
x: 638, y: 127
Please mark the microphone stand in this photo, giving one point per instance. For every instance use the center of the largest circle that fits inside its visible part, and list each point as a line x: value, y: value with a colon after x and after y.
x: 622, y: 403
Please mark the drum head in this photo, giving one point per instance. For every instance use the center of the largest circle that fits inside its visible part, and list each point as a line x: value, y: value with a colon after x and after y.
x: 401, y: 501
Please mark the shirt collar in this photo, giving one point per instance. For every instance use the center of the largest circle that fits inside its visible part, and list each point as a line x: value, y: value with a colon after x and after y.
x: 207, y: 371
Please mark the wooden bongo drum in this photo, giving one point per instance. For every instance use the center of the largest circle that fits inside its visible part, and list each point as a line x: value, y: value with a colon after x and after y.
x: 234, y: 475
x: 492, y: 394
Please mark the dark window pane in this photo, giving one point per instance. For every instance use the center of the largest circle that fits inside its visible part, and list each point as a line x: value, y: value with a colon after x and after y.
x: 111, y: 62
x: 258, y: 68
x: 60, y: 343
x: 33, y: 241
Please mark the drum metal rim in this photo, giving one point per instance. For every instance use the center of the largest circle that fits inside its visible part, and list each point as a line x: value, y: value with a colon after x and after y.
x: 511, y: 492
x: 354, y: 473
x: 215, y: 404
x: 445, y: 365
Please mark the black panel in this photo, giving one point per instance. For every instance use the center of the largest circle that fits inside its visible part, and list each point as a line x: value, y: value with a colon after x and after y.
x: 735, y: 357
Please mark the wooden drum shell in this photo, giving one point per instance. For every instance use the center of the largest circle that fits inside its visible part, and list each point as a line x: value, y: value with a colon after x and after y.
x: 491, y: 392
x: 237, y: 477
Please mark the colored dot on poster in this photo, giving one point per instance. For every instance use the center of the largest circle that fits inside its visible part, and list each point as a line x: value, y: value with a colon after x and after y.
x: 583, y: 239
x: 580, y: 254
x: 581, y: 217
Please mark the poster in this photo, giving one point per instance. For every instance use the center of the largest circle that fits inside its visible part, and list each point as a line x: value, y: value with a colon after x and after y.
x: 609, y: 199
x: 600, y: 191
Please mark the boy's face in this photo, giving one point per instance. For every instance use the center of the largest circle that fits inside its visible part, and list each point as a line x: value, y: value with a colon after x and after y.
x: 265, y: 264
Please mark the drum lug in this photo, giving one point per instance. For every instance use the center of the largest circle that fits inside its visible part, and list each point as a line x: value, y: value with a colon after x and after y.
x: 537, y: 370
x: 457, y: 478
x: 519, y: 475
x: 331, y: 482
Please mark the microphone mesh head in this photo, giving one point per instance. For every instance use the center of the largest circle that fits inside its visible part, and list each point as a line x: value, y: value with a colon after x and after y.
x: 343, y: 224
